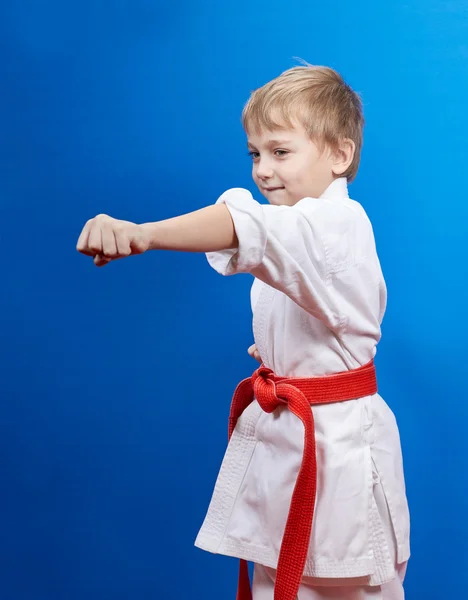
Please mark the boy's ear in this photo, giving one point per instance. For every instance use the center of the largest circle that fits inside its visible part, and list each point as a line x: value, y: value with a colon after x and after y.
x: 343, y: 156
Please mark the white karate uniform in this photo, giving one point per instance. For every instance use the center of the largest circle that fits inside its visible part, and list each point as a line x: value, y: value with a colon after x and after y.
x: 318, y: 300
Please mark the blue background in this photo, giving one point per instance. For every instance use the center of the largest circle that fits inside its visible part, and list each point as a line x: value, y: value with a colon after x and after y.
x: 116, y: 382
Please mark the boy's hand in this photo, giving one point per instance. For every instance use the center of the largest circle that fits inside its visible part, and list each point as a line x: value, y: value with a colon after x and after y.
x: 254, y: 353
x: 106, y: 239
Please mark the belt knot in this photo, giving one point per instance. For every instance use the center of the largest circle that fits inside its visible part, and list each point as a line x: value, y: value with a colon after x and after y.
x: 265, y: 389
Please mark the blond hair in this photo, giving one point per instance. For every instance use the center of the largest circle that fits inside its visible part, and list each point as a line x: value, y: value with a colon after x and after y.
x: 318, y: 97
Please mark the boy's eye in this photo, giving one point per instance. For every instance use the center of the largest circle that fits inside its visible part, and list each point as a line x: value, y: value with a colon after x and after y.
x: 279, y: 153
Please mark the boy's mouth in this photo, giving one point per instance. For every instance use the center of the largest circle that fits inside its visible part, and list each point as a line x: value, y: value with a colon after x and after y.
x: 273, y: 189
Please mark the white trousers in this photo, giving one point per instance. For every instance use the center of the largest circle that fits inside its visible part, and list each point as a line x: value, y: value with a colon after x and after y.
x: 264, y: 583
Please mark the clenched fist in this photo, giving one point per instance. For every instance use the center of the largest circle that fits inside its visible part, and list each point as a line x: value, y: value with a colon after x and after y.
x: 106, y: 239
x: 254, y: 353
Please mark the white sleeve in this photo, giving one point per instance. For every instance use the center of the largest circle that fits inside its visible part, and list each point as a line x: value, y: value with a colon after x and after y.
x: 286, y: 247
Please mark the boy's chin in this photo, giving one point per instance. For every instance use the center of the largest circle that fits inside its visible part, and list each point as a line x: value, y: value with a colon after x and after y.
x: 277, y: 197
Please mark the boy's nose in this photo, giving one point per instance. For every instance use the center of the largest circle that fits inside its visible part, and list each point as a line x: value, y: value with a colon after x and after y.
x: 264, y: 171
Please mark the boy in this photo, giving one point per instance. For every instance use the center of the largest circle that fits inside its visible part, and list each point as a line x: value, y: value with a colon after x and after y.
x: 314, y: 497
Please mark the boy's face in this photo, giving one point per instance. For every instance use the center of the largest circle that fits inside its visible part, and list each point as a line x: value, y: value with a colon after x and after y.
x: 288, y: 166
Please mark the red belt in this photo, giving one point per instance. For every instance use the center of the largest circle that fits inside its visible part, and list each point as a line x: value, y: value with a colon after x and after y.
x: 298, y: 394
